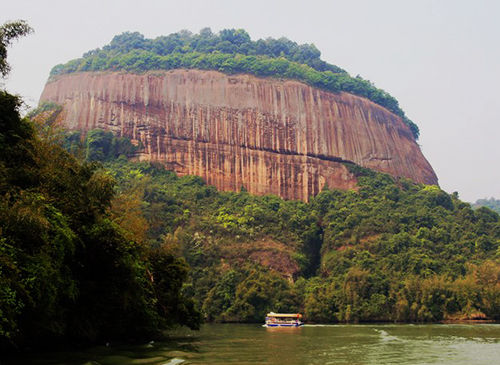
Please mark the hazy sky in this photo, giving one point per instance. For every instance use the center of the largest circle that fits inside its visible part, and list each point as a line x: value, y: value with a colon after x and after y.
x: 440, y: 59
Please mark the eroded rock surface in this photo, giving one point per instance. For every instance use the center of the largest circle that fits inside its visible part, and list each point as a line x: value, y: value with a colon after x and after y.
x: 268, y: 135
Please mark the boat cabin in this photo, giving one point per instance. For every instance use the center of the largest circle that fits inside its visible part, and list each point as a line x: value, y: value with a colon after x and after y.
x: 283, y: 320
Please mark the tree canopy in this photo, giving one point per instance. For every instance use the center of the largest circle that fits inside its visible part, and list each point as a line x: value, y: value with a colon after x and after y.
x: 73, y: 266
x: 391, y: 251
x: 492, y: 203
x: 8, y: 33
x: 229, y: 51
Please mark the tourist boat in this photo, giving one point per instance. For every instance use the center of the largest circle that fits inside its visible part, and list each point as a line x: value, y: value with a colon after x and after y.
x: 283, y: 320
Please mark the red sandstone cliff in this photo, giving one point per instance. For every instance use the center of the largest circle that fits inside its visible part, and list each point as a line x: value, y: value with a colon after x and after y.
x: 271, y: 136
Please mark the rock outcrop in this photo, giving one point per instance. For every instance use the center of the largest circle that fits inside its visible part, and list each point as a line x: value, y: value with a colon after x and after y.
x: 268, y: 135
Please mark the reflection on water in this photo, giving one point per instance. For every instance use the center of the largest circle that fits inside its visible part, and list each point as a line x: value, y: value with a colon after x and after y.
x: 320, y: 344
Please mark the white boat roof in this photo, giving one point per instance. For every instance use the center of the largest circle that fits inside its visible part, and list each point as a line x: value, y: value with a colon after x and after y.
x: 286, y: 315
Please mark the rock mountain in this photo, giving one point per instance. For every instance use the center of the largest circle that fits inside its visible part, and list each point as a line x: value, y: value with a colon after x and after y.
x: 265, y: 134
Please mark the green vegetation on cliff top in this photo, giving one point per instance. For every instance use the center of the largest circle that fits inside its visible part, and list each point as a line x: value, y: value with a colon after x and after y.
x: 230, y: 51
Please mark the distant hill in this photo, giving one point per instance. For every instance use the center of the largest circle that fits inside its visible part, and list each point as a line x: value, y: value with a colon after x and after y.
x: 492, y: 203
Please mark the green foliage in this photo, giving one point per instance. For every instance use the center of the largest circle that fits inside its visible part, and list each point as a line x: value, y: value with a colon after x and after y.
x: 392, y: 251
x: 170, y: 273
x: 68, y: 272
x: 220, y: 298
x: 99, y: 145
x: 257, y: 293
x: 9, y: 32
x: 44, y: 107
x: 492, y: 203
x: 230, y: 51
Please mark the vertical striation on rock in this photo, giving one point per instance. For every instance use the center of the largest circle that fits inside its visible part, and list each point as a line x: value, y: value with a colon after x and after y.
x: 268, y: 135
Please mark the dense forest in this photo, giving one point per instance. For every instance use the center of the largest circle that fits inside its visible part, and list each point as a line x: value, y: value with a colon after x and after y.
x: 391, y: 251
x: 492, y: 203
x: 69, y: 270
x: 229, y: 51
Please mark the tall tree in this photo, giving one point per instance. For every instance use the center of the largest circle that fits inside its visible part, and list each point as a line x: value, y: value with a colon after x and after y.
x: 8, y: 33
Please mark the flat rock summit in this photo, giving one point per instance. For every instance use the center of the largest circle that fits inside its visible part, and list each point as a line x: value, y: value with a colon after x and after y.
x: 268, y: 135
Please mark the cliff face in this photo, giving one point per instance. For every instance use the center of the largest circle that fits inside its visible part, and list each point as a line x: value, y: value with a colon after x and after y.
x: 270, y: 136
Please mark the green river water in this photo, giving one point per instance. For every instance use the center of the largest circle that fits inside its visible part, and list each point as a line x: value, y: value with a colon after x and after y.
x: 311, y: 344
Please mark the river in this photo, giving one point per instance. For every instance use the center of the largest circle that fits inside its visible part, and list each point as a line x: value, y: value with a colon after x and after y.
x: 311, y: 344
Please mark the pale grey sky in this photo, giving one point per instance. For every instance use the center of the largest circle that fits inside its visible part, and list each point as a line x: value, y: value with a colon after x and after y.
x: 439, y: 58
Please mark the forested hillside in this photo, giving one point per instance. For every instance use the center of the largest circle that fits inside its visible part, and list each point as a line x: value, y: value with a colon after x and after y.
x: 69, y: 270
x: 391, y: 251
x: 229, y: 51
x: 85, y: 259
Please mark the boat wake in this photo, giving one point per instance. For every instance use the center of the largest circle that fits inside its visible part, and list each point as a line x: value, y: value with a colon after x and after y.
x: 385, y: 337
x: 174, y: 361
